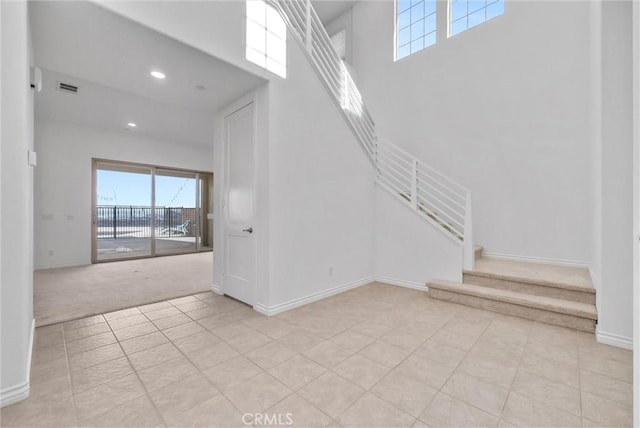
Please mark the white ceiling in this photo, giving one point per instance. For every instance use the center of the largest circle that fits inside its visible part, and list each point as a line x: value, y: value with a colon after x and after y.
x: 110, y: 57
x: 105, y: 108
x: 328, y: 10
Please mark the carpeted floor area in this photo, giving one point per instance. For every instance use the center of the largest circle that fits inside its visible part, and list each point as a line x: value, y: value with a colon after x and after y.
x: 69, y: 293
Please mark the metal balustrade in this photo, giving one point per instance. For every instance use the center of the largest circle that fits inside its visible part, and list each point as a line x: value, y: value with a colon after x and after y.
x: 124, y: 222
x: 432, y: 195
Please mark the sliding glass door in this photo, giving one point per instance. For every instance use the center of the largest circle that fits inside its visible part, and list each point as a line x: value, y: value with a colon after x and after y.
x: 122, y: 214
x: 146, y: 211
x: 176, y: 211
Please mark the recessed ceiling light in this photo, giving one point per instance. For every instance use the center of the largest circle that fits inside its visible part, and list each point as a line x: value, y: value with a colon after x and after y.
x: 158, y: 74
x: 131, y: 125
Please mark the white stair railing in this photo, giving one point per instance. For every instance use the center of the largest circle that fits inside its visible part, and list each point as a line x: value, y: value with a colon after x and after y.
x: 431, y: 194
x: 312, y: 37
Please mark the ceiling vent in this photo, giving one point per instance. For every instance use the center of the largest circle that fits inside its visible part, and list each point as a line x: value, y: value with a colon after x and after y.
x: 66, y: 87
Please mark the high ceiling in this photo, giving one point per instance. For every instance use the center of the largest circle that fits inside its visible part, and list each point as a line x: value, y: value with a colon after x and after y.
x: 110, y: 59
x: 328, y: 10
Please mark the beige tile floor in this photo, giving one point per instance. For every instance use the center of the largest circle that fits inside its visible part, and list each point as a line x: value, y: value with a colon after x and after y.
x: 375, y: 356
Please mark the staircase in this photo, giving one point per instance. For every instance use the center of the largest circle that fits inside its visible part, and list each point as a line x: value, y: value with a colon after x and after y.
x: 548, y: 294
x: 558, y: 295
x: 432, y: 195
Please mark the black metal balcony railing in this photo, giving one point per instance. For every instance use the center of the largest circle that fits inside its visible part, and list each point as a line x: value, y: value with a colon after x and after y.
x: 122, y: 222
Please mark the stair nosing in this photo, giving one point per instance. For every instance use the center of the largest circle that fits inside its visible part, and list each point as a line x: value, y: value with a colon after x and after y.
x: 532, y: 281
x: 556, y: 304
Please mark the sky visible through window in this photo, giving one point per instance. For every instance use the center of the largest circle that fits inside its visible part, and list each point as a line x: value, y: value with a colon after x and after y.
x: 126, y: 188
x: 464, y: 14
x: 416, y: 26
x: 416, y: 21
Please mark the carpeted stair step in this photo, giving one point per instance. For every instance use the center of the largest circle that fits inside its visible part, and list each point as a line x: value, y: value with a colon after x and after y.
x: 565, y: 313
x: 560, y: 282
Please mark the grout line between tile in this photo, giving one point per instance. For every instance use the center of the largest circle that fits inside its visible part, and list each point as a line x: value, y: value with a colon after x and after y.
x: 146, y: 393
x: 66, y: 355
x: 325, y: 333
x: 394, y: 368
x: 524, y: 349
x: 202, y: 371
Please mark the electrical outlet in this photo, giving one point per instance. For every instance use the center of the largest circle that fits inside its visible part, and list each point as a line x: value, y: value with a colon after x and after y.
x: 331, y: 271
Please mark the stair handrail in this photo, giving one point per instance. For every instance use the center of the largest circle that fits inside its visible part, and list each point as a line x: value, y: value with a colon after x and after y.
x: 427, y: 191
x: 303, y: 21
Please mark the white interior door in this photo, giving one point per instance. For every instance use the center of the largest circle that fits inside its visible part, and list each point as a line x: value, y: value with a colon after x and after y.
x: 239, y: 242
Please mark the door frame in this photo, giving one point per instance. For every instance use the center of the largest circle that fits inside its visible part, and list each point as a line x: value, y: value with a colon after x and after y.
x: 94, y: 200
x: 222, y: 203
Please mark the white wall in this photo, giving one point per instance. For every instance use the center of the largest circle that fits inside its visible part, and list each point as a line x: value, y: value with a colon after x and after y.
x: 63, y: 181
x: 321, y: 190
x: 636, y: 212
x: 532, y: 112
x: 502, y: 108
x: 16, y: 199
x: 615, y: 321
x: 409, y: 250
x: 343, y: 22
x: 595, y: 43
x: 314, y: 193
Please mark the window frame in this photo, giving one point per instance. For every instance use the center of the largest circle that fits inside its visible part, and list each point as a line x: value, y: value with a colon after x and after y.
x: 487, y: 3
x: 279, y: 67
x: 433, y: 31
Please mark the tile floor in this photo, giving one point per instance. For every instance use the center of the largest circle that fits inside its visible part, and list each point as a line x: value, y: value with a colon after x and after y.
x: 375, y: 356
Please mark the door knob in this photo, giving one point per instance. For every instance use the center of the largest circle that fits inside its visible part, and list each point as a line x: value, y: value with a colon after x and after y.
x: 250, y: 230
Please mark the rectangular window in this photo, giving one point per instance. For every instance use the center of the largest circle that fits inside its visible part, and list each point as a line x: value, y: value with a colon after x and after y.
x: 266, y: 37
x: 464, y: 14
x: 415, y: 26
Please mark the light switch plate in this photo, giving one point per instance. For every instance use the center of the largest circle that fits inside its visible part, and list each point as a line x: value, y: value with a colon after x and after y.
x: 32, y: 158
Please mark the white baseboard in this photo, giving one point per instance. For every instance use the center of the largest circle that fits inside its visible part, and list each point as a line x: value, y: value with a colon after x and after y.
x: 402, y: 283
x: 614, y: 339
x: 557, y: 262
x: 20, y: 392
x: 292, y: 304
x: 32, y: 340
x: 62, y: 265
x: 595, y: 281
x: 13, y: 394
x: 216, y: 289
